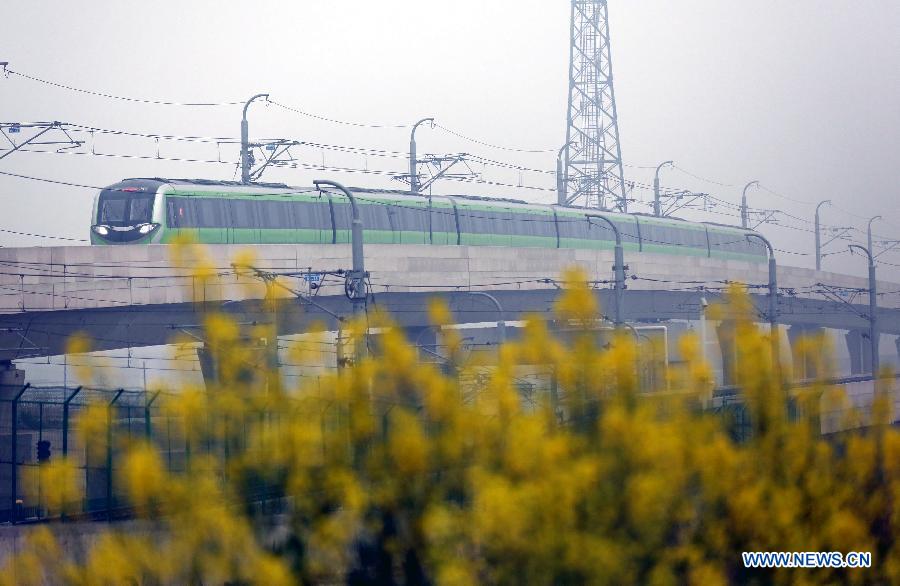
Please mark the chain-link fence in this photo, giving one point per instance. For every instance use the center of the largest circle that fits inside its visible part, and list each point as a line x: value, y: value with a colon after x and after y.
x: 40, y: 425
x: 37, y: 425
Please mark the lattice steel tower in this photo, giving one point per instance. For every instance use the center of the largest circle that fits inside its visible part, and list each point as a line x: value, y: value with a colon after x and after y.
x: 592, y: 169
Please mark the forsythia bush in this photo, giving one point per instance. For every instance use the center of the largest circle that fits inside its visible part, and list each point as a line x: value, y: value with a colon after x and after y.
x: 386, y: 472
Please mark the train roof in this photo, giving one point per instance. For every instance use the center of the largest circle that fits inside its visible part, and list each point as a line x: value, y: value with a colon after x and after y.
x: 219, y: 183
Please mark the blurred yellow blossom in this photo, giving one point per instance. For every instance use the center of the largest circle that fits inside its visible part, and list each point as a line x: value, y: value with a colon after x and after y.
x: 399, y: 469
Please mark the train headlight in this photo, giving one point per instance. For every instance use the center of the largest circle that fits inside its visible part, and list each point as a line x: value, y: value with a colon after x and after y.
x: 147, y: 228
x: 101, y: 230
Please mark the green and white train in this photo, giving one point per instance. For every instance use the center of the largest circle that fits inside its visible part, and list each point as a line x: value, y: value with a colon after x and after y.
x: 150, y: 211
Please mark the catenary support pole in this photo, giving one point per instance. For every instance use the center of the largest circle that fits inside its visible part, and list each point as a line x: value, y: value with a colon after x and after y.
x: 245, y: 141
x: 413, y: 156
x: 773, y: 295
x: 657, y: 206
x: 869, y: 236
x: 618, y: 271
x: 873, y: 308
x: 745, y: 212
x: 819, y: 235
x: 355, y: 284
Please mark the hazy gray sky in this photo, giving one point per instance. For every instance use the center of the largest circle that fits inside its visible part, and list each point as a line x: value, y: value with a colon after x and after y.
x: 802, y: 95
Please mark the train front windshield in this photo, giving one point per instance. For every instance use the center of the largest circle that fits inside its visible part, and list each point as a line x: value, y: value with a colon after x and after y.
x: 125, y: 213
x: 120, y: 207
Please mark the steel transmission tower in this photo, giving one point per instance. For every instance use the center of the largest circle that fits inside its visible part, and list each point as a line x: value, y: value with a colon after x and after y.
x: 593, y: 175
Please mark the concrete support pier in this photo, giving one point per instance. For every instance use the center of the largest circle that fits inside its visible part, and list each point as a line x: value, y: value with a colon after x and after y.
x: 860, y: 351
x: 805, y: 363
x: 725, y: 335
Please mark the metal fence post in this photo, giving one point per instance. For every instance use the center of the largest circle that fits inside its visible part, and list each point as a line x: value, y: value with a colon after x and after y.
x: 65, y: 438
x: 109, y: 453
x: 148, y: 431
x: 14, y: 413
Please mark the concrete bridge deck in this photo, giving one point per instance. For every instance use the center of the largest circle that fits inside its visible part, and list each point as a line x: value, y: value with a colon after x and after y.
x: 143, y: 295
x: 76, y: 277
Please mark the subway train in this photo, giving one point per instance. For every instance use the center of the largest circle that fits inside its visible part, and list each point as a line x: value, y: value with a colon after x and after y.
x: 156, y: 211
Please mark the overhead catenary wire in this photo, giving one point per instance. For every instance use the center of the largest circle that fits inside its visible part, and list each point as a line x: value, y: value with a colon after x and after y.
x: 784, y: 197
x: 291, y: 164
x: 59, y: 85
x: 335, y: 120
x: 143, y: 100
x: 35, y: 235
x: 702, y: 178
x: 381, y: 152
x: 362, y: 151
x: 366, y: 151
x: 455, y: 133
x: 492, y: 145
x: 45, y: 180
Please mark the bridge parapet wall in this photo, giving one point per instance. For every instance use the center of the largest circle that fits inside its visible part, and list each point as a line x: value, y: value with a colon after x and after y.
x: 71, y: 277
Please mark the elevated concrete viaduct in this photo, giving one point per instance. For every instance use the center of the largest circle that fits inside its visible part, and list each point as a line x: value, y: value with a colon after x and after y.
x: 132, y: 296
x: 45, y: 333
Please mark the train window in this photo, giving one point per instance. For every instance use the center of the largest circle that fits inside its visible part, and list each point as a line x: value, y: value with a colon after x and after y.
x: 141, y: 209
x: 286, y: 214
x: 267, y: 213
x: 409, y: 218
x: 172, y: 218
x: 653, y: 234
x: 512, y: 223
x: 573, y: 227
x: 503, y: 223
x: 121, y: 208
x: 443, y: 224
x: 375, y: 216
x: 480, y: 221
x: 534, y: 225
x: 472, y: 222
x: 727, y: 242
x: 312, y: 214
x: 410, y: 222
x: 214, y: 213
x: 671, y: 235
x: 113, y: 211
x: 188, y: 212
x: 341, y: 213
x: 274, y: 214
x: 180, y: 212
x: 740, y: 243
x: 694, y: 238
x: 627, y: 229
x: 756, y: 247
x: 585, y: 228
x: 599, y: 230
x: 243, y: 214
